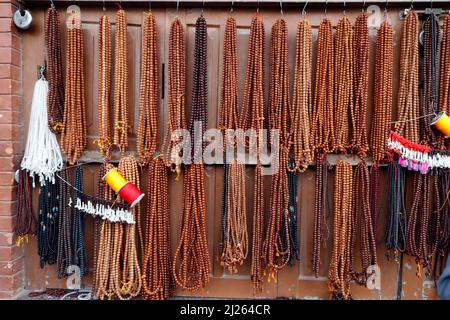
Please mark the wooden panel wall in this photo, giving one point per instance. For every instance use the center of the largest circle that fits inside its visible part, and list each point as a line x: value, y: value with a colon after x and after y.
x: 293, y: 282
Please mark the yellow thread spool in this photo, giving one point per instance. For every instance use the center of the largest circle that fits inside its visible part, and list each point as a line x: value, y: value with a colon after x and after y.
x: 442, y: 123
x: 115, y: 180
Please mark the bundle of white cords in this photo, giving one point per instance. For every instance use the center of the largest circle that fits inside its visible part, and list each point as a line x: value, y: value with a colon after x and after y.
x: 42, y: 155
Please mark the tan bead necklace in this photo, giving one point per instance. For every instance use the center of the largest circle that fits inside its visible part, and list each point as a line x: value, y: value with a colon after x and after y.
x: 104, y: 83
x: 121, y: 82
x: 234, y: 219
x: 302, y: 102
x: 147, y: 134
x: 277, y: 242
x: 73, y: 138
x: 444, y: 81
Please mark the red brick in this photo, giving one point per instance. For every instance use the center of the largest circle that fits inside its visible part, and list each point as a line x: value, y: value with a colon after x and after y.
x: 11, y: 283
x: 7, y: 239
x: 9, y: 253
x: 5, y: 24
x: 10, y: 132
x: 7, y: 178
x: 8, y: 55
x: 5, y: 10
x: 11, y: 40
x: 8, y: 148
x: 8, y: 71
x: 11, y: 117
x: 10, y: 268
x: 8, y: 193
x: 10, y: 102
x: 7, y: 223
x: 9, y: 86
x: 8, y: 208
x: 9, y: 163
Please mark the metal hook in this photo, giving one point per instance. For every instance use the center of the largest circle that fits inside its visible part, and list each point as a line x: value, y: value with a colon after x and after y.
x: 178, y: 5
x: 257, y: 7
x: 326, y: 7
x: 203, y: 6
x: 344, y: 7
x: 150, y: 5
x: 281, y: 7
x: 363, y: 5
x: 104, y: 6
x: 411, y: 7
x: 52, y: 4
x: 231, y: 8
x: 304, y: 8
x: 385, y: 7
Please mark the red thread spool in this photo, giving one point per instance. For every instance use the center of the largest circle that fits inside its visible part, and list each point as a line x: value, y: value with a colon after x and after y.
x: 131, y: 194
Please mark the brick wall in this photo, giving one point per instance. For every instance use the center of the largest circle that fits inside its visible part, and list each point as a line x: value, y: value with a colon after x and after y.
x: 11, y: 257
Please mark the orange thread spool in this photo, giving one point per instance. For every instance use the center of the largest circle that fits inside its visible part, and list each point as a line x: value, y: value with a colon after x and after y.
x: 115, y: 180
x: 442, y: 123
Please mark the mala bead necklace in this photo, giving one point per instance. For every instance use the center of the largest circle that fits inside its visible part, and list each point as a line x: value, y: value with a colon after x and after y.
x: 384, y: 61
x: 176, y: 99
x: 47, y: 226
x: 360, y: 84
x: 322, y: 127
x: 344, y: 117
x: 121, y: 82
x: 73, y: 138
x: 442, y: 181
x: 104, y: 279
x: 277, y: 243
x: 25, y: 219
x: 418, y: 223
x: 444, y: 73
x: 362, y: 218
x: 408, y: 92
x: 234, y: 245
x: 340, y: 265
x: 54, y: 70
x: 104, y: 83
x: 79, y: 246
x: 147, y: 134
x: 157, y: 281
x: 322, y: 131
x: 301, y: 102
x: 65, y: 248
x: 130, y: 272
x: 395, y: 228
x: 253, y: 117
x: 191, y: 265
x: 428, y: 105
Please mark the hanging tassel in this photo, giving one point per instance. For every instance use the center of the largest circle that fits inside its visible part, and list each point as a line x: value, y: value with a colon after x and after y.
x: 42, y: 155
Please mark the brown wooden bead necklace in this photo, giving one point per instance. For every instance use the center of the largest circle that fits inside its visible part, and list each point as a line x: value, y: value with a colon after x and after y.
x: 340, y: 266
x: 302, y: 102
x: 157, y: 281
x: 344, y: 122
x: 360, y: 84
x: 444, y: 81
x: 408, y: 92
x: 176, y: 98
x: 234, y: 245
x: 191, y: 265
x: 120, y: 137
x: 147, y: 134
x: 322, y: 132
x: 73, y: 139
x: 384, y: 60
x: 104, y: 83
x: 277, y: 242
x: 253, y: 117
x: 54, y: 70
x: 322, y: 126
